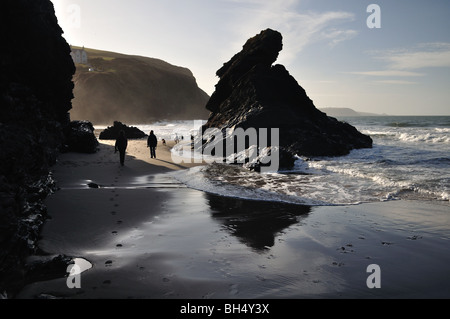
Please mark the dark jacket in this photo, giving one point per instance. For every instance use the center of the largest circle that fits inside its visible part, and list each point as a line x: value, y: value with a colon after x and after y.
x: 152, y: 141
x: 121, y: 143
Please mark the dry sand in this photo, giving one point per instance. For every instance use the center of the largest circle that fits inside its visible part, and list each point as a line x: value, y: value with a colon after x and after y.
x: 148, y: 236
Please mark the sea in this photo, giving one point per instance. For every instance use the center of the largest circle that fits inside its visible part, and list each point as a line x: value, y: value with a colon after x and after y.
x: 410, y: 159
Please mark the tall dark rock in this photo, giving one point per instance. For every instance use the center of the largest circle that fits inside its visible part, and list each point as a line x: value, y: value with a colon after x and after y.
x: 35, y: 54
x: 254, y: 93
x: 35, y: 96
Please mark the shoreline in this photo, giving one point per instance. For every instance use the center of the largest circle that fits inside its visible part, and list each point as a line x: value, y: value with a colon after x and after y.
x: 148, y: 236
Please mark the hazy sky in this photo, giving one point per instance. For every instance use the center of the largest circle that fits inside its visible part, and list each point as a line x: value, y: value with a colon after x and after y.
x: 402, y: 68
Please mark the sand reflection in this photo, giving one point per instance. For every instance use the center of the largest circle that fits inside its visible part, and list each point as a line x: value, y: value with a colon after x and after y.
x: 255, y: 223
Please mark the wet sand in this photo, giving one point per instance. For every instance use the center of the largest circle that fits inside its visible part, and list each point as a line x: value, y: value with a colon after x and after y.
x: 148, y: 236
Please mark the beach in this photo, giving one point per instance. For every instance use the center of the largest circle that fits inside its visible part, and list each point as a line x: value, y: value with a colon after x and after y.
x: 138, y: 233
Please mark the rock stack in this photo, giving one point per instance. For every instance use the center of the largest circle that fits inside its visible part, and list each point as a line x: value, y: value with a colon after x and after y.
x: 254, y: 93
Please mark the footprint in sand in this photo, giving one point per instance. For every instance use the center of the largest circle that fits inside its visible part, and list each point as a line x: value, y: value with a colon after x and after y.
x: 119, y: 222
x: 113, y: 213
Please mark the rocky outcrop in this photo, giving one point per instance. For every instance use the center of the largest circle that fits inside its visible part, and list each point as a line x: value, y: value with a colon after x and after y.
x: 112, y: 132
x: 81, y: 138
x: 35, y: 96
x: 254, y: 93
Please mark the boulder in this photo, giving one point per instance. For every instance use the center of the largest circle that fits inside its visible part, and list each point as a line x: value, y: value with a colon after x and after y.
x: 81, y: 137
x: 112, y: 132
x: 254, y: 93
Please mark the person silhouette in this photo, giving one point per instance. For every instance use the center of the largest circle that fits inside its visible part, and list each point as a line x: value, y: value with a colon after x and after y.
x: 152, y: 142
x: 121, y: 146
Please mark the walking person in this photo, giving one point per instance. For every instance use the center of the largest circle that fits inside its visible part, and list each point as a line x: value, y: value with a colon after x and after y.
x: 152, y: 142
x: 121, y: 146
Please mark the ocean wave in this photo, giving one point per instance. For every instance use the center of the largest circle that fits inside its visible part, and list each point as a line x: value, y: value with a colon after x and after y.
x: 413, y: 121
x: 407, y: 124
x: 227, y: 180
x: 411, y: 136
x: 425, y: 137
x: 438, y: 162
x: 316, y: 183
x: 416, y: 193
x: 363, y: 172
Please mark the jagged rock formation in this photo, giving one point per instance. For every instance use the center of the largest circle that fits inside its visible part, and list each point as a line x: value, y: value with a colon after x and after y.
x: 112, y: 132
x: 35, y: 96
x: 254, y: 93
x: 81, y: 138
x: 134, y: 89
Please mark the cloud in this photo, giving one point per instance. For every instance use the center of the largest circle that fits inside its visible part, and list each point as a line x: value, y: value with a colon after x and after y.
x: 431, y: 55
x: 388, y: 73
x: 405, y: 62
x: 400, y: 82
x: 337, y: 36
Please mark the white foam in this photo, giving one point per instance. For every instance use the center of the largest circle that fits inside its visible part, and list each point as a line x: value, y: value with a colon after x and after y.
x: 204, y: 178
x: 411, y: 135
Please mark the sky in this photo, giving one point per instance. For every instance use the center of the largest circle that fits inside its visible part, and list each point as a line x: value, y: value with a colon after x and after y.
x: 392, y: 58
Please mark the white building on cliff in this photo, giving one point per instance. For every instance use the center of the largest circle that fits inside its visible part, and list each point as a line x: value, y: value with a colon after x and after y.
x: 79, y: 56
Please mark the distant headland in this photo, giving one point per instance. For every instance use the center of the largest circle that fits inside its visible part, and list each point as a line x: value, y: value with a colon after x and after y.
x: 346, y: 112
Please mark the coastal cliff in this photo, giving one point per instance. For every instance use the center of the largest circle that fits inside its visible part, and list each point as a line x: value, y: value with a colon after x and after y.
x: 135, y: 89
x: 35, y: 95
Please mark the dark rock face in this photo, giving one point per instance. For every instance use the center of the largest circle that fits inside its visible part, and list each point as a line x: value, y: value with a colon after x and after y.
x: 81, y: 137
x: 112, y: 132
x: 35, y: 54
x: 35, y: 96
x: 253, y: 93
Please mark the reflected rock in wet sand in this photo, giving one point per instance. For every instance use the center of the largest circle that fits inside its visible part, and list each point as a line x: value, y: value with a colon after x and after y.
x: 255, y: 223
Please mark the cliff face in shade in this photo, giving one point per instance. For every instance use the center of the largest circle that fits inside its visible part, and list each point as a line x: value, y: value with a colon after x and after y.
x: 35, y: 96
x: 252, y: 92
x: 135, y: 90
